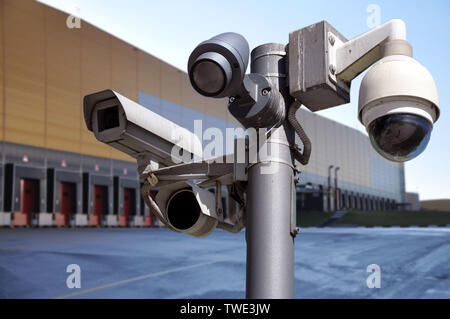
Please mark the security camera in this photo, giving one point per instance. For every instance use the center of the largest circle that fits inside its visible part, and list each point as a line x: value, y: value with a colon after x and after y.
x: 217, y: 66
x: 188, y: 208
x: 398, y: 99
x: 398, y: 104
x: 151, y: 139
x: 137, y: 131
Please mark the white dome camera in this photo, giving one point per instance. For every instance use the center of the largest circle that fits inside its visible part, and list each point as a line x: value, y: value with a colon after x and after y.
x: 398, y: 104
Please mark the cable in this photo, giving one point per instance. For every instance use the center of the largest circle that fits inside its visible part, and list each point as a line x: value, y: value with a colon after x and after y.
x: 303, y: 157
x: 145, y: 192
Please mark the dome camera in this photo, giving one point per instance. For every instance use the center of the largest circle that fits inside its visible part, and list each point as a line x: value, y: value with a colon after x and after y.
x: 398, y: 104
x: 217, y: 66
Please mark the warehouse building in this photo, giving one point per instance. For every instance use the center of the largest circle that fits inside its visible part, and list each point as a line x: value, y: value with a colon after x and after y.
x: 54, y: 172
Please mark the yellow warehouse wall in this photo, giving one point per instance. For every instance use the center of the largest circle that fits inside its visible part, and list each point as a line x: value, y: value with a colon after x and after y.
x: 149, y: 74
x: 63, y: 85
x: 95, y: 76
x: 24, y: 72
x: 47, y: 69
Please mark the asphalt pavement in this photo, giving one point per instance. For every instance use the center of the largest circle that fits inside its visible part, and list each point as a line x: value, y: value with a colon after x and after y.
x: 157, y: 263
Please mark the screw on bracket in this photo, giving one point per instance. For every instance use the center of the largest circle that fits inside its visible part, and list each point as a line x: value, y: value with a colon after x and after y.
x: 152, y: 179
x: 265, y: 92
x: 331, y: 39
x: 231, y: 99
x: 332, y: 69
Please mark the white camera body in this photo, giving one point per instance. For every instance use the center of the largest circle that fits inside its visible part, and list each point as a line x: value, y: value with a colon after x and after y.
x: 137, y: 131
x: 398, y: 105
x: 188, y: 208
x: 398, y: 84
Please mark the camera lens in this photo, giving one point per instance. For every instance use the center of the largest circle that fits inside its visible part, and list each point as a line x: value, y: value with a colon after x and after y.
x: 210, y: 74
x: 108, y: 118
x: 400, y: 137
x: 183, y: 210
x: 208, y: 77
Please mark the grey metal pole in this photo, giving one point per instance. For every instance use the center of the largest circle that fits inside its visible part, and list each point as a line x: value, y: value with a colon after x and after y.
x: 271, y: 197
x: 329, y: 187
x: 337, y: 197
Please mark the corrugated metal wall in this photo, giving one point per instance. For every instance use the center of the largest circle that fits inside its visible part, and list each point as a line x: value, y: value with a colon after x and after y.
x: 47, y: 68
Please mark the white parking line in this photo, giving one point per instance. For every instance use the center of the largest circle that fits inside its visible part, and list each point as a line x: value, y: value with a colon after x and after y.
x: 126, y: 281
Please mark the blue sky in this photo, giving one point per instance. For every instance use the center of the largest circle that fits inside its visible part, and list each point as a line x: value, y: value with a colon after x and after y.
x: 170, y: 30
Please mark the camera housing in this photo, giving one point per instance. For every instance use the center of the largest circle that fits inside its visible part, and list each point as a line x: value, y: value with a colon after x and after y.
x: 137, y: 131
x: 217, y: 66
x: 398, y: 99
x: 398, y: 104
x: 188, y: 208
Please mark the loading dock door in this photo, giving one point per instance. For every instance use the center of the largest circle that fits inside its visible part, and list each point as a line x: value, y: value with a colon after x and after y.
x: 29, y: 189
x: 100, y: 200
x: 126, y: 205
x: 100, y: 205
x: 68, y: 200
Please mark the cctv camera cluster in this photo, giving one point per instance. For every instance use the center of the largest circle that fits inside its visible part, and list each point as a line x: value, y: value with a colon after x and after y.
x: 398, y: 105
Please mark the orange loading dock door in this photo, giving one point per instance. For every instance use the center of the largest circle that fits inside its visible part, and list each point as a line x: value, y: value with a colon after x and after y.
x: 128, y: 199
x: 68, y: 202
x: 28, y: 201
x: 100, y: 205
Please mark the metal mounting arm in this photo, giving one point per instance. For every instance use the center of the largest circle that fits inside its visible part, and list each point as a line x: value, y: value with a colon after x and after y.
x: 224, y: 170
x: 259, y: 105
x: 356, y: 55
